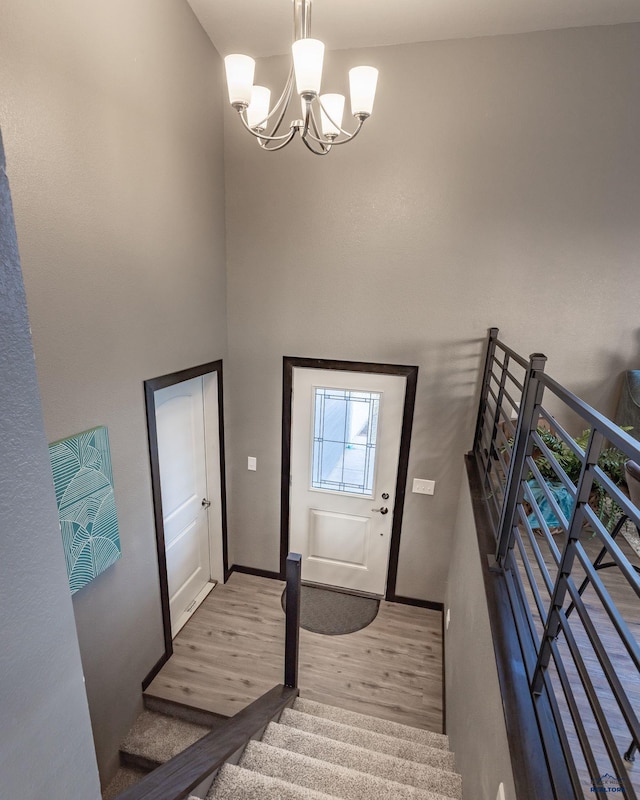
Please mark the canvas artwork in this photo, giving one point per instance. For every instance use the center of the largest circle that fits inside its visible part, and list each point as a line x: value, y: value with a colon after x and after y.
x: 83, y: 483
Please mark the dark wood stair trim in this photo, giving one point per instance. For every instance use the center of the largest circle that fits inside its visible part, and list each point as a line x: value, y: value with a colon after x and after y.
x: 175, y: 779
x: 183, y: 711
x: 139, y: 762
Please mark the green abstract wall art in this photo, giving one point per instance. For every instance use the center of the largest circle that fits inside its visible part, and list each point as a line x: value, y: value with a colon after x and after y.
x: 83, y: 482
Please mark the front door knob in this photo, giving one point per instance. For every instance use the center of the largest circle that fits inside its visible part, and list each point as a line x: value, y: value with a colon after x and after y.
x: 381, y: 510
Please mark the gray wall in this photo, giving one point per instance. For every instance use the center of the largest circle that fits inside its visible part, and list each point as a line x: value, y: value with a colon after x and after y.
x: 475, y: 719
x: 515, y: 176
x: 113, y: 134
x: 496, y: 184
x: 45, y: 736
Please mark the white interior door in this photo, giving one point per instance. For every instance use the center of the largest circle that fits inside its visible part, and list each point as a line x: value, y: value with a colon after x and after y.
x: 190, y: 488
x: 345, y: 445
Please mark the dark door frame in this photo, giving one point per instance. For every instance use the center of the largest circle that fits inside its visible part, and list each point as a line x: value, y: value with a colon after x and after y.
x: 411, y: 375
x: 151, y: 386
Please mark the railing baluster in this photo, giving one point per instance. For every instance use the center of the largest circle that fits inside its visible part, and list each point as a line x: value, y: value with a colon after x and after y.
x: 522, y: 446
x: 553, y: 624
x: 555, y: 654
x: 292, y: 619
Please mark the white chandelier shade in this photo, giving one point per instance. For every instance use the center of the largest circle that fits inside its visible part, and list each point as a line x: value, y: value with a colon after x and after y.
x: 258, y: 109
x: 253, y: 103
x: 362, y: 86
x: 240, y: 71
x: 308, y: 57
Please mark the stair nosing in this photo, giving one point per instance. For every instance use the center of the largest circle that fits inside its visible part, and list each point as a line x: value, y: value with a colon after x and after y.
x: 372, y: 723
x: 256, y: 748
x: 304, y: 791
x: 428, y: 772
x: 290, y: 715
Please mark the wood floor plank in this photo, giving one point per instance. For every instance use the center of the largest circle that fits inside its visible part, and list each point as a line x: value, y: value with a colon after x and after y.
x: 232, y: 650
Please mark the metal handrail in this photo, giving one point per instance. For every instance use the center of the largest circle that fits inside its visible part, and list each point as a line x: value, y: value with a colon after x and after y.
x: 545, y: 580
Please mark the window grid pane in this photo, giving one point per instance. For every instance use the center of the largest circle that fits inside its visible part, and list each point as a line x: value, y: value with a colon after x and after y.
x: 344, y: 443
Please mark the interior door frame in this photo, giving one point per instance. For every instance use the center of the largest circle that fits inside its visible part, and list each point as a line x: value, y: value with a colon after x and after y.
x: 289, y: 363
x: 151, y: 386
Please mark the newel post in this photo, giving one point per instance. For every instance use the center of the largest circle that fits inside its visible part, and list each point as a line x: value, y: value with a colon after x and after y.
x: 484, y: 390
x: 292, y: 619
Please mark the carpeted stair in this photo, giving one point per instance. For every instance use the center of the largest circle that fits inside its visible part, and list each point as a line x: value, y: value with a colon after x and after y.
x: 316, y: 752
x: 161, y: 731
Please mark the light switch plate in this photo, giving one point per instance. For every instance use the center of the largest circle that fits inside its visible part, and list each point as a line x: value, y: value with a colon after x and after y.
x: 421, y: 486
x: 251, y: 463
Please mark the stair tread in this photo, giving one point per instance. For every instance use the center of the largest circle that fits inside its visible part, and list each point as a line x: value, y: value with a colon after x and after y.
x: 123, y: 779
x: 379, y: 742
x: 339, y: 781
x: 237, y: 783
x: 422, y: 776
x: 387, y: 727
x: 156, y: 737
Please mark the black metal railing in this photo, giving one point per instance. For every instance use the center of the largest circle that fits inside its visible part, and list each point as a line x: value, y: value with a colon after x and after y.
x: 178, y: 777
x: 557, y: 504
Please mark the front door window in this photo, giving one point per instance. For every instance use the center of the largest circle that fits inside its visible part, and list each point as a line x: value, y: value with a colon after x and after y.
x: 345, y: 428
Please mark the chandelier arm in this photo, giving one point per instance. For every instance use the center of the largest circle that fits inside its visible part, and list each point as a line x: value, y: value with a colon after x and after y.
x: 324, y: 148
x: 349, y: 136
x: 311, y: 131
x: 287, y: 135
x: 314, y: 124
x: 285, y: 99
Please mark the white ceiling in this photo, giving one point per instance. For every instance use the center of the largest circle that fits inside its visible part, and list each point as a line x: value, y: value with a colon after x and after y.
x: 264, y: 27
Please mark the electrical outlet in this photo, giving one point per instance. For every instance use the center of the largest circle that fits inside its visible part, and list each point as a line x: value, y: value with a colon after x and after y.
x: 251, y: 463
x: 421, y: 486
x: 500, y: 795
x: 448, y: 620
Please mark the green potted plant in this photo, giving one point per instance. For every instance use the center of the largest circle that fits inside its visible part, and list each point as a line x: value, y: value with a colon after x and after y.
x: 611, y: 461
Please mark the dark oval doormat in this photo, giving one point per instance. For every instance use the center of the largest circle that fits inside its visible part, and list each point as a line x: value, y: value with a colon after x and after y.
x: 334, y: 613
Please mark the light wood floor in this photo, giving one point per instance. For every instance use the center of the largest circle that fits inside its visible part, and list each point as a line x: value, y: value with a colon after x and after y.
x: 231, y: 652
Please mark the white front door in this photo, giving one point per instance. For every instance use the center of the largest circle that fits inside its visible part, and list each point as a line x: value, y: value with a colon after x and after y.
x: 186, y: 489
x: 345, y: 445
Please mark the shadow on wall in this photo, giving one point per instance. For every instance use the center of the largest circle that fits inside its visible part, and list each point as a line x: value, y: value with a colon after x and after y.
x: 451, y: 381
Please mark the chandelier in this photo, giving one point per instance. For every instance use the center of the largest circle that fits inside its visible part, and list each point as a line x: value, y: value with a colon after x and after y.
x: 252, y: 102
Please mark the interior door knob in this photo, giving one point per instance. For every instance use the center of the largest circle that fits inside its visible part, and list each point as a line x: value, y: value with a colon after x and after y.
x: 205, y: 503
x: 381, y: 510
